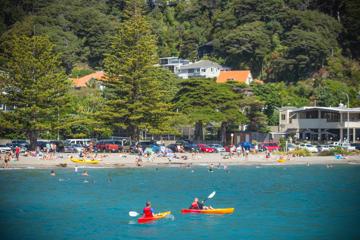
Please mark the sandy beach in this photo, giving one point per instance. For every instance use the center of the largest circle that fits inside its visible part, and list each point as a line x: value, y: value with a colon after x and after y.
x: 125, y: 160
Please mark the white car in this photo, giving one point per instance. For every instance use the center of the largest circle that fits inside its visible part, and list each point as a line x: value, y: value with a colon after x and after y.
x: 292, y: 147
x: 311, y: 148
x: 345, y: 145
x: 348, y: 147
x: 217, y: 147
x: 4, y: 149
x: 322, y: 148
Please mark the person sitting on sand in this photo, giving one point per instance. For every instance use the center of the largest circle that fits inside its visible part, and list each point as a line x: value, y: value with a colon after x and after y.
x: 199, y: 205
x: 85, y: 173
x: 52, y: 173
x: 148, y: 211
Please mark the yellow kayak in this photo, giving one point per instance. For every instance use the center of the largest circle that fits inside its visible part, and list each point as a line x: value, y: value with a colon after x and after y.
x: 281, y: 160
x: 75, y: 160
x: 155, y: 217
x: 209, y: 211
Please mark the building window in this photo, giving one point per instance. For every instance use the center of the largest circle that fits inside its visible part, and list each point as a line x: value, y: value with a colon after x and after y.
x: 203, y: 70
x: 283, y: 116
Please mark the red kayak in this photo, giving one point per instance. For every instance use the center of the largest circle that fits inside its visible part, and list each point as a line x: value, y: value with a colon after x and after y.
x: 154, y: 218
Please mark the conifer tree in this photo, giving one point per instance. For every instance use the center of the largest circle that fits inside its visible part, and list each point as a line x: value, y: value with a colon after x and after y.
x: 134, y: 97
x: 35, y: 85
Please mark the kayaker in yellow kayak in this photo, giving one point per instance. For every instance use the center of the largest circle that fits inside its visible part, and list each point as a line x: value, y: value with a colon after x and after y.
x: 199, y: 205
x: 148, y: 211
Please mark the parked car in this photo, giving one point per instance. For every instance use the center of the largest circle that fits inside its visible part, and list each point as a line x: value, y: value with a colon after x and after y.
x: 345, y: 145
x: 309, y: 147
x: 81, y: 141
x: 217, y: 147
x: 270, y: 147
x: 191, y: 147
x: 20, y: 143
x: 183, y: 142
x: 4, y: 148
x: 71, y: 148
x: 356, y: 145
x: 292, y: 147
x: 107, y: 145
x: 348, y: 146
x: 173, y: 147
x: 205, y: 148
x: 323, y: 148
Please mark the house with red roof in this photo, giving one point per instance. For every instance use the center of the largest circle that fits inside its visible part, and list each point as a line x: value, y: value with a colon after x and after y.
x: 243, y: 76
x: 84, y: 80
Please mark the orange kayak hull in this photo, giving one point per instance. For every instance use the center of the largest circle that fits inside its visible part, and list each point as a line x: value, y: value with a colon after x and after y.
x: 209, y: 211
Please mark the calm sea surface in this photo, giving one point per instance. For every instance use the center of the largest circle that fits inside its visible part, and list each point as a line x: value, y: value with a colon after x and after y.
x: 272, y: 202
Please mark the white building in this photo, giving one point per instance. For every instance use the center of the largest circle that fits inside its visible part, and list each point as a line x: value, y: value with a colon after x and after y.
x: 202, y: 68
x: 321, y: 123
x: 173, y: 63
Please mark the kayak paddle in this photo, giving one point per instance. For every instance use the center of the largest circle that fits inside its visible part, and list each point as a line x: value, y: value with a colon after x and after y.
x: 133, y: 214
x: 210, y: 196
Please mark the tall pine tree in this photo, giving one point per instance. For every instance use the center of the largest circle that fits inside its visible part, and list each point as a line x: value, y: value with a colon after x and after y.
x: 35, y: 85
x: 134, y: 96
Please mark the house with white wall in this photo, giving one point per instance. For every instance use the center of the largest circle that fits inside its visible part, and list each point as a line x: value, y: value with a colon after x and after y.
x: 202, y: 68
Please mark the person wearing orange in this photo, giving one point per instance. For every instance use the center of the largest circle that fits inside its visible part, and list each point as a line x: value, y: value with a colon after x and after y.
x: 148, y: 211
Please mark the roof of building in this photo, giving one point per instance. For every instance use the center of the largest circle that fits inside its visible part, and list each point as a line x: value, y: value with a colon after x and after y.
x: 82, y: 81
x: 343, y: 109
x: 202, y: 64
x: 237, y: 76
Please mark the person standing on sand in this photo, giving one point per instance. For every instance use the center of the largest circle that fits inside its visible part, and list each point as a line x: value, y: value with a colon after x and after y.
x: 17, y: 153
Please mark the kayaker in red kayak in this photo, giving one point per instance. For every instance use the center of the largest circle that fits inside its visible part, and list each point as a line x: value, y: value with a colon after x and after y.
x: 148, y: 211
x: 198, y: 205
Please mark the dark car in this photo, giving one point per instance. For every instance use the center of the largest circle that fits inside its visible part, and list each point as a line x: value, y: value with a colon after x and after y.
x: 20, y: 143
x: 191, y: 147
x: 356, y: 145
x: 183, y: 142
x: 173, y: 147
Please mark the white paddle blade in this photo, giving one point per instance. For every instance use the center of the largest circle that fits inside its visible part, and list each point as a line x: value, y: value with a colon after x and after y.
x: 133, y: 214
x: 212, y: 194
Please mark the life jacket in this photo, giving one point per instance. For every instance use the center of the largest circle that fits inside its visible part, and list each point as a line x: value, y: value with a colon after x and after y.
x: 147, y: 212
x: 194, y: 205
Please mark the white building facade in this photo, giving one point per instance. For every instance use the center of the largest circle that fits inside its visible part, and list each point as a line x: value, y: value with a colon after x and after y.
x: 202, y: 68
x: 321, y: 123
x: 173, y: 63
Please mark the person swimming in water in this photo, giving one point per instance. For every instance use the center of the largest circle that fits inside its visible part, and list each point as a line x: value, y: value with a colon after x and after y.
x: 85, y: 173
x: 52, y: 173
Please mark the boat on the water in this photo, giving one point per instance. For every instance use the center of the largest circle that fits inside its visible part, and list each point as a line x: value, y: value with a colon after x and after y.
x: 209, y: 211
x: 153, y: 218
x: 85, y: 161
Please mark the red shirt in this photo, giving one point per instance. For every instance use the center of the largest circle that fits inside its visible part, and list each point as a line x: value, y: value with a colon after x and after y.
x: 148, y: 212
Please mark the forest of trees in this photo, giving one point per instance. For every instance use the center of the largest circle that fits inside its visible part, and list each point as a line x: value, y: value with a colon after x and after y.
x: 305, y: 51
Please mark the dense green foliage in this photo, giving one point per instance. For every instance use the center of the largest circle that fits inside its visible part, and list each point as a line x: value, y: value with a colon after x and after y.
x: 35, y: 85
x: 134, y: 97
x: 306, y: 52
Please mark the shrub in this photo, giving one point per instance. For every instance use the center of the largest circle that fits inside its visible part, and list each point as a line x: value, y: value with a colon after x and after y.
x: 300, y: 152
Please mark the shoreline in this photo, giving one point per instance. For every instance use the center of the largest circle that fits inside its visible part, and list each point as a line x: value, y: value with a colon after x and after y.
x: 121, y: 160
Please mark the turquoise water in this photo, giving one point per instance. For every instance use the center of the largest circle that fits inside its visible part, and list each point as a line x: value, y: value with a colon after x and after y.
x: 271, y: 203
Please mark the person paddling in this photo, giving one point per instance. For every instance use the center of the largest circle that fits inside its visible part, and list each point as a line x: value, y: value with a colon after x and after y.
x: 148, y: 211
x: 198, y: 205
